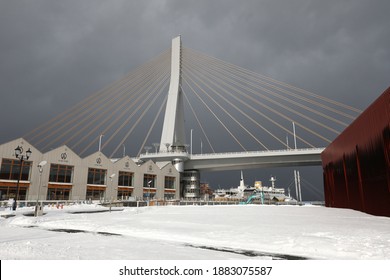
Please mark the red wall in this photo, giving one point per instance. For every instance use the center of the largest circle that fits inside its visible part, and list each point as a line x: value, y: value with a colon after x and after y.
x: 357, y: 163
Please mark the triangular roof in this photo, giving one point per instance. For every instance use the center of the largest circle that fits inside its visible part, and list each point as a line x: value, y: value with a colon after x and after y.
x: 63, y: 147
x: 168, y: 167
x: 163, y: 164
x: 20, y: 141
x: 127, y: 161
x: 149, y: 165
x: 99, y: 157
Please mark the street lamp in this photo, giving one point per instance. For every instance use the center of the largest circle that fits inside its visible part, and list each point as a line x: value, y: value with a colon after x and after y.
x: 111, y: 179
x: 147, y: 149
x: 40, y: 169
x: 191, y: 141
x: 19, y: 155
x: 100, y: 142
x: 149, y: 183
x: 156, y: 145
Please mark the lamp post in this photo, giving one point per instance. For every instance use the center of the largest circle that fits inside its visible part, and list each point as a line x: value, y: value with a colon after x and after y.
x: 19, y: 155
x: 149, y: 183
x: 156, y: 145
x: 40, y: 169
x: 295, y: 136
x: 191, y: 141
x: 100, y: 142
x: 147, y: 149
x: 111, y: 179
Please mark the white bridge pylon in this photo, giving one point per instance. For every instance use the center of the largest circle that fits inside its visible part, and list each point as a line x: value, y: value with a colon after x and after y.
x: 173, y: 136
x: 172, y: 145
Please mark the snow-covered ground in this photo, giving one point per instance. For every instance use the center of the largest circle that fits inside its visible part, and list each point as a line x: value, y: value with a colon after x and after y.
x: 195, y: 232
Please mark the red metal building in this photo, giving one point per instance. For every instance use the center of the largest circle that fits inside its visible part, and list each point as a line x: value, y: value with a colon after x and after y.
x: 357, y: 163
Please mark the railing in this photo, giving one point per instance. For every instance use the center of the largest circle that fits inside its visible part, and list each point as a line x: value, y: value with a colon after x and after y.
x: 259, y: 152
x: 191, y: 156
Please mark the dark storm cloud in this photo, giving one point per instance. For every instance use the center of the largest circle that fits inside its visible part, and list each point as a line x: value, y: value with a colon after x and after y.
x: 329, y: 47
x: 55, y: 53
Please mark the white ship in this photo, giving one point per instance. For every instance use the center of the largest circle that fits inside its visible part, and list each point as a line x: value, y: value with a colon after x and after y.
x: 258, y: 191
x: 270, y: 193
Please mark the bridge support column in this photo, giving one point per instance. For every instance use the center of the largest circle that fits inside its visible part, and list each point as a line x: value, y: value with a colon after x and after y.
x: 173, y: 127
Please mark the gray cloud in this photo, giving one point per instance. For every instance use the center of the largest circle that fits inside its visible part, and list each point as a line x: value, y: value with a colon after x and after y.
x: 55, y: 53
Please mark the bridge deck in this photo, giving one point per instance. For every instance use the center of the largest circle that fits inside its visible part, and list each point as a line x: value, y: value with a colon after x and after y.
x: 242, y: 160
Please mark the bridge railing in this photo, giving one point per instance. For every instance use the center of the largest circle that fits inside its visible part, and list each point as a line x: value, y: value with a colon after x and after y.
x: 260, y: 152
x: 193, y: 156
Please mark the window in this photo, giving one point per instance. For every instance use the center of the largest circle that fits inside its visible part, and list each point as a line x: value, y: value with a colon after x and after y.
x: 169, y: 196
x: 124, y: 193
x: 96, y: 176
x: 169, y: 182
x: 149, y: 181
x: 10, y: 169
x: 61, y: 173
x: 125, y: 179
x: 7, y: 192
x: 95, y: 193
x: 58, y: 193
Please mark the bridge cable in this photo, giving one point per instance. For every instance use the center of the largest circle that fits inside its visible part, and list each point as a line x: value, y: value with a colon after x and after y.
x: 211, y: 111
x: 163, y: 104
x: 259, y: 76
x: 263, y: 115
x: 208, y: 65
x: 151, y: 82
x: 87, y: 113
x: 108, y: 106
x: 281, y: 105
x: 226, y: 112
x: 86, y: 103
x: 197, y: 119
x: 236, y: 107
x: 280, y: 114
x: 140, y: 117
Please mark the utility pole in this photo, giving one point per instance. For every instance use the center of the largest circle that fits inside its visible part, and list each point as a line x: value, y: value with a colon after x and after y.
x: 299, y: 186
x: 295, y: 137
x: 296, y: 185
x: 191, y: 141
x: 100, y: 142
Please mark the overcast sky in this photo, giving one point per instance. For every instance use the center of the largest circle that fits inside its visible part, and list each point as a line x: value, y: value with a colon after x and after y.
x: 54, y: 53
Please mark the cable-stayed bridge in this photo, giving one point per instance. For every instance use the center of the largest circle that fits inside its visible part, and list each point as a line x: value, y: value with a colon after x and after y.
x: 241, y: 160
x: 218, y: 116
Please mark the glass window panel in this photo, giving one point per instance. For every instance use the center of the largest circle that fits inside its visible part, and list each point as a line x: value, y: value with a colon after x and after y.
x: 103, y: 177
x: 61, y: 175
x: 90, y: 176
x: 125, y: 179
x: 68, y: 175
x: 97, y: 176
x: 15, y: 169
x: 5, y: 171
x: 149, y: 181
x: 53, y: 173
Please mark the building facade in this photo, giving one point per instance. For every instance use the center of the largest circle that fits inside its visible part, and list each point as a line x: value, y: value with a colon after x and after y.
x: 356, y: 164
x: 66, y: 176
x: 191, y: 184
